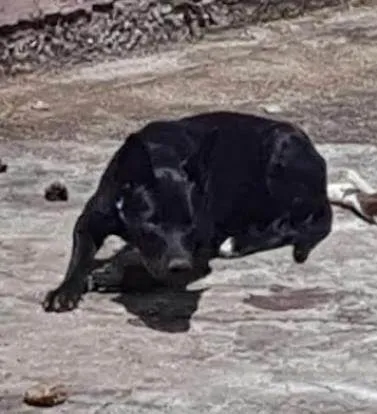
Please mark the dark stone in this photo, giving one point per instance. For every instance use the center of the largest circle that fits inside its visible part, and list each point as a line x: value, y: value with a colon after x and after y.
x: 3, y: 167
x: 56, y: 192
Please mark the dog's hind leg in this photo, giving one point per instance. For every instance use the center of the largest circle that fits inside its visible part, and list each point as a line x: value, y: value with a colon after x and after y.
x: 304, y: 236
x: 311, y: 232
x: 91, y: 229
x: 255, y: 240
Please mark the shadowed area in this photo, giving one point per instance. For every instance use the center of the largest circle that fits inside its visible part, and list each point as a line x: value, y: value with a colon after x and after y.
x: 156, y: 305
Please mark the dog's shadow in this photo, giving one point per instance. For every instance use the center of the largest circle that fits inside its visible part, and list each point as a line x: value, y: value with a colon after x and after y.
x: 156, y: 305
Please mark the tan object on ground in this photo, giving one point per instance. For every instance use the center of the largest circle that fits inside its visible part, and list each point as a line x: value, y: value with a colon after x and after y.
x: 43, y: 395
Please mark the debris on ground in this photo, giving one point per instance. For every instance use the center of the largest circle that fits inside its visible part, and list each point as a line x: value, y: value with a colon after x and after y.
x: 44, y: 395
x: 56, y: 191
x: 73, y: 31
x: 3, y: 167
x: 40, y: 106
x: 271, y: 108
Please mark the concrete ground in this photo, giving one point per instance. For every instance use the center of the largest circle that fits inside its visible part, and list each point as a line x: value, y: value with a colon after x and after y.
x: 260, y: 334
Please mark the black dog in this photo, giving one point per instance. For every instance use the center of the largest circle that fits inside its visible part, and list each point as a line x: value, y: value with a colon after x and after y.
x: 177, y: 190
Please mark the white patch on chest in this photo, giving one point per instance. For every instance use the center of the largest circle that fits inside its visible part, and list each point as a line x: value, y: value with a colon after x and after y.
x: 119, y: 206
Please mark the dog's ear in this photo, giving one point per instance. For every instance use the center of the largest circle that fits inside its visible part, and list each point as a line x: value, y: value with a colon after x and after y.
x: 134, y: 163
x: 198, y: 163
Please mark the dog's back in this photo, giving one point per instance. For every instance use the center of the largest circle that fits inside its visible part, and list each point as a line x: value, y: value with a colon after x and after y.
x: 260, y: 167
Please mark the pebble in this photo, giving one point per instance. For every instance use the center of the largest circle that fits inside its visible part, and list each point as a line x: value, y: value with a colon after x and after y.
x: 40, y: 106
x: 56, y: 191
x: 272, y: 108
x: 44, y: 395
x: 3, y: 167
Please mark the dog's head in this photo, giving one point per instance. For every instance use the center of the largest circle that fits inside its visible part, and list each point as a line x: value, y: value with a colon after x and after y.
x: 163, y: 210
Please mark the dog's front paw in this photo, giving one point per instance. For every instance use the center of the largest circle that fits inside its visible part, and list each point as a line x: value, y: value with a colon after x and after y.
x: 61, y: 300
x: 228, y: 249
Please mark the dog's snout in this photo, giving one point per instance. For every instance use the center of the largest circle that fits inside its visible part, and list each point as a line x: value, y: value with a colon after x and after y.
x: 179, y: 265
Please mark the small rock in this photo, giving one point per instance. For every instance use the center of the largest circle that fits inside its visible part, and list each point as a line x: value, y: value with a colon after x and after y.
x: 272, y: 108
x: 40, y: 106
x: 43, y: 395
x: 3, y: 167
x: 56, y: 192
x: 166, y: 9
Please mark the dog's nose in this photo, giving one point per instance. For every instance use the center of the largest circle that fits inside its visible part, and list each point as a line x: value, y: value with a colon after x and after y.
x: 179, y: 265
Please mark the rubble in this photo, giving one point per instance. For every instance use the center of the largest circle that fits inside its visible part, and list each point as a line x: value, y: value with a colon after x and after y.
x: 49, y: 35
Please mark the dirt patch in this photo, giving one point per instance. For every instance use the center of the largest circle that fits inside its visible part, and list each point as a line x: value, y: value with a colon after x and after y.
x: 280, y: 63
x: 288, y: 299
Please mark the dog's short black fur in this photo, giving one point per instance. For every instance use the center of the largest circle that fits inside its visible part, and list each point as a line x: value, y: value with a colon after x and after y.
x: 178, y: 189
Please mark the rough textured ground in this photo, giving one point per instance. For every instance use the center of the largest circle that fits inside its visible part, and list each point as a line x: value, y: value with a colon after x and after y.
x: 45, y: 34
x: 14, y: 11
x: 260, y: 334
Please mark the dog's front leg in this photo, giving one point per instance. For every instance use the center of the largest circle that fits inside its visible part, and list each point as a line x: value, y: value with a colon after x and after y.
x: 89, y: 233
